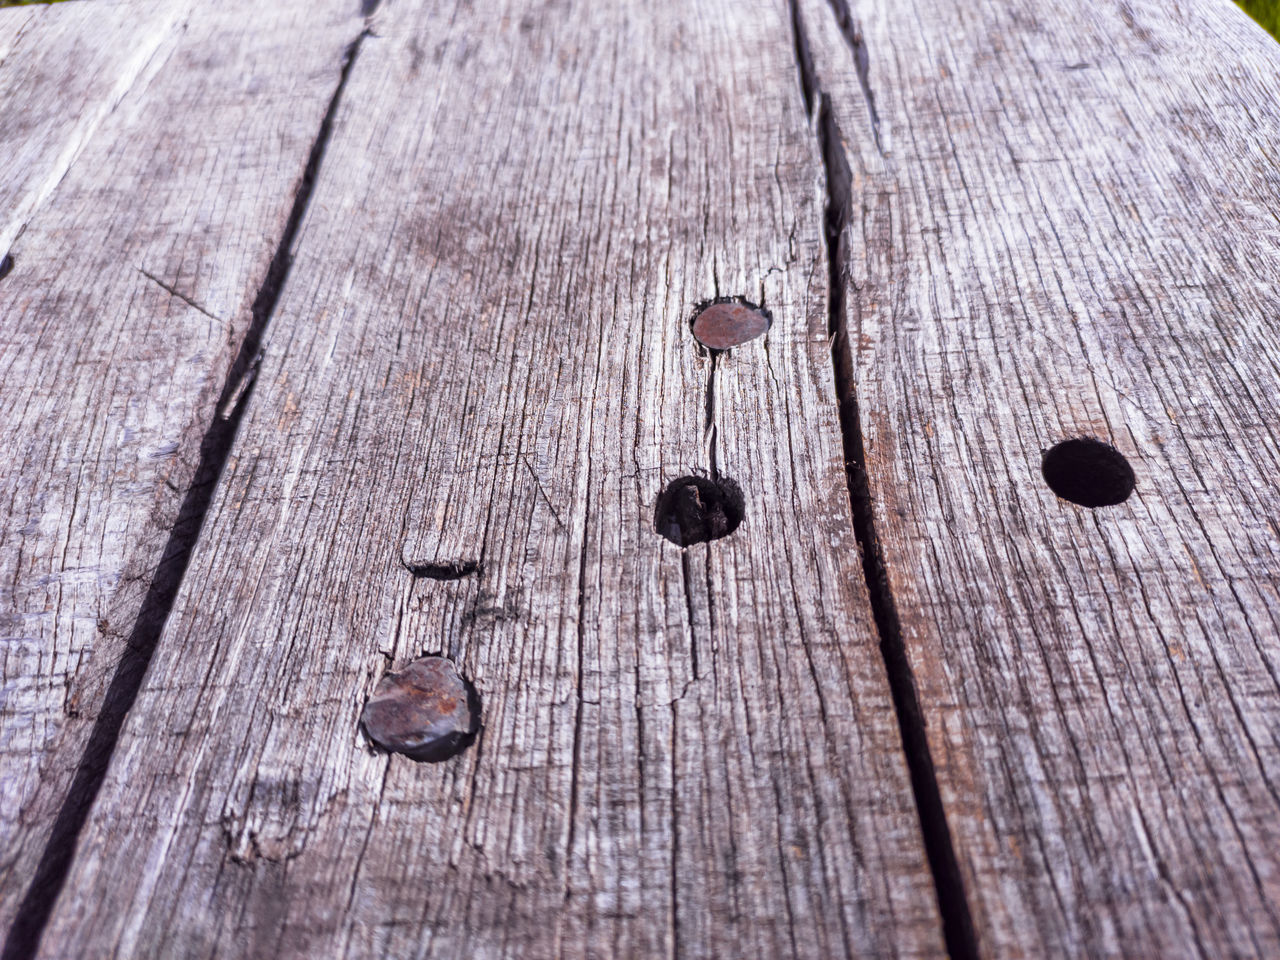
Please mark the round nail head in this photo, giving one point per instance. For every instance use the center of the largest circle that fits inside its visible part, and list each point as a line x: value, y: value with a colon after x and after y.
x: 426, y: 711
x: 729, y: 323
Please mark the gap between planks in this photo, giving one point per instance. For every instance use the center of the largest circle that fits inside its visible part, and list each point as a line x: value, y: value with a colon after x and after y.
x: 23, y: 939
x: 957, y: 919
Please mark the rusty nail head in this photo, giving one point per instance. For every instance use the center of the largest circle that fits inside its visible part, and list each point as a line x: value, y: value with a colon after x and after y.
x: 728, y: 323
x: 426, y: 711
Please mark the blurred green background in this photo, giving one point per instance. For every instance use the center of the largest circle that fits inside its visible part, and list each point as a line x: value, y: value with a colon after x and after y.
x: 1266, y: 12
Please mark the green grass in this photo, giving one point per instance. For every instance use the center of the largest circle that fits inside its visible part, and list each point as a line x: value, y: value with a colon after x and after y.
x: 1266, y: 12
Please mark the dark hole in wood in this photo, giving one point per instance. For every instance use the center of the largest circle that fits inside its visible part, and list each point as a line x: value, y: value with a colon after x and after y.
x: 697, y: 510
x: 1088, y: 472
x: 428, y: 711
x: 6, y: 265
x: 728, y: 322
x: 451, y: 570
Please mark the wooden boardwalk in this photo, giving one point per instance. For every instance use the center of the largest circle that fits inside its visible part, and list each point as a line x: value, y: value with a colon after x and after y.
x: 338, y: 334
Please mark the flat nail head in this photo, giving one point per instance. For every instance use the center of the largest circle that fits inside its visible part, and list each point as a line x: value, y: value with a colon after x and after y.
x: 426, y: 711
x: 729, y: 323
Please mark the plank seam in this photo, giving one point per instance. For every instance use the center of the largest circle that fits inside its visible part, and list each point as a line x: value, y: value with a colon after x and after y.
x: 957, y: 919
x: 23, y: 939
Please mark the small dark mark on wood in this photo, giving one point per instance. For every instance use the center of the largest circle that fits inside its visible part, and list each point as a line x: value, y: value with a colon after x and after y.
x: 729, y: 322
x: 449, y: 570
x: 168, y: 288
x: 698, y: 509
x: 427, y: 711
x: 1088, y: 472
x: 485, y: 611
x: 6, y: 265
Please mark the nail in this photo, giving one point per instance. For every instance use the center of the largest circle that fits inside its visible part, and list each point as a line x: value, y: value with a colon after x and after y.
x: 728, y: 323
x: 426, y: 711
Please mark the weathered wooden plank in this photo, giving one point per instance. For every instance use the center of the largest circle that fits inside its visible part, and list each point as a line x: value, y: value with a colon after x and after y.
x: 1072, y: 230
x: 63, y: 69
x: 483, y: 359
x: 143, y: 245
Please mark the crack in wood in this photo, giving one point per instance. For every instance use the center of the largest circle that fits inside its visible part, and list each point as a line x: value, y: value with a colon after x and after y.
x: 957, y: 919
x: 173, y: 292
x: 23, y: 939
x: 443, y: 570
x: 851, y: 30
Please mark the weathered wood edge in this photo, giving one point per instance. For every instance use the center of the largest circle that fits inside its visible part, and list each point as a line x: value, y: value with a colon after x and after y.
x: 113, y: 436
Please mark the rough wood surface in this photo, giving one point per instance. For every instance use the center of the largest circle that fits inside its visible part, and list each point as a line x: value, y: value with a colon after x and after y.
x: 63, y: 69
x: 1072, y: 229
x: 483, y: 356
x: 152, y: 154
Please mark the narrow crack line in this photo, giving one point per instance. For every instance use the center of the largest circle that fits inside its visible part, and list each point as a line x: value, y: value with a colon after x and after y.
x: 687, y: 574
x: 957, y: 919
x: 545, y: 499
x: 851, y: 30
x: 175, y: 293
x: 23, y: 939
x: 709, y: 430
x: 575, y: 774
x: 675, y: 944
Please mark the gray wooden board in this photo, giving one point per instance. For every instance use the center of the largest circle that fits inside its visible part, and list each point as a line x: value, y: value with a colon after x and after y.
x: 482, y: 354
x: 137, y: 265
x: 1074, y: 229
x: 63, y: 69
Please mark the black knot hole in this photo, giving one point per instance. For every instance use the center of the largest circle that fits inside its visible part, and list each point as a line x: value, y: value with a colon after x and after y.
x: 1088, y: 472
x: 696, y: 510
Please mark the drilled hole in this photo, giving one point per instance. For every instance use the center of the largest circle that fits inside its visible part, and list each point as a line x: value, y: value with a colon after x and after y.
x: 727, y: 323
x: 1088, y: 472
x: 697, y: 510
x: 6, y: 265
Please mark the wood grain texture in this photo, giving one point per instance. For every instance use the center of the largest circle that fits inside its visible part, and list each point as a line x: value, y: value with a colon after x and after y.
x: 63, y: 69
x: 483, y: 355
x: 1073, y: 228
x: 147, y: 227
